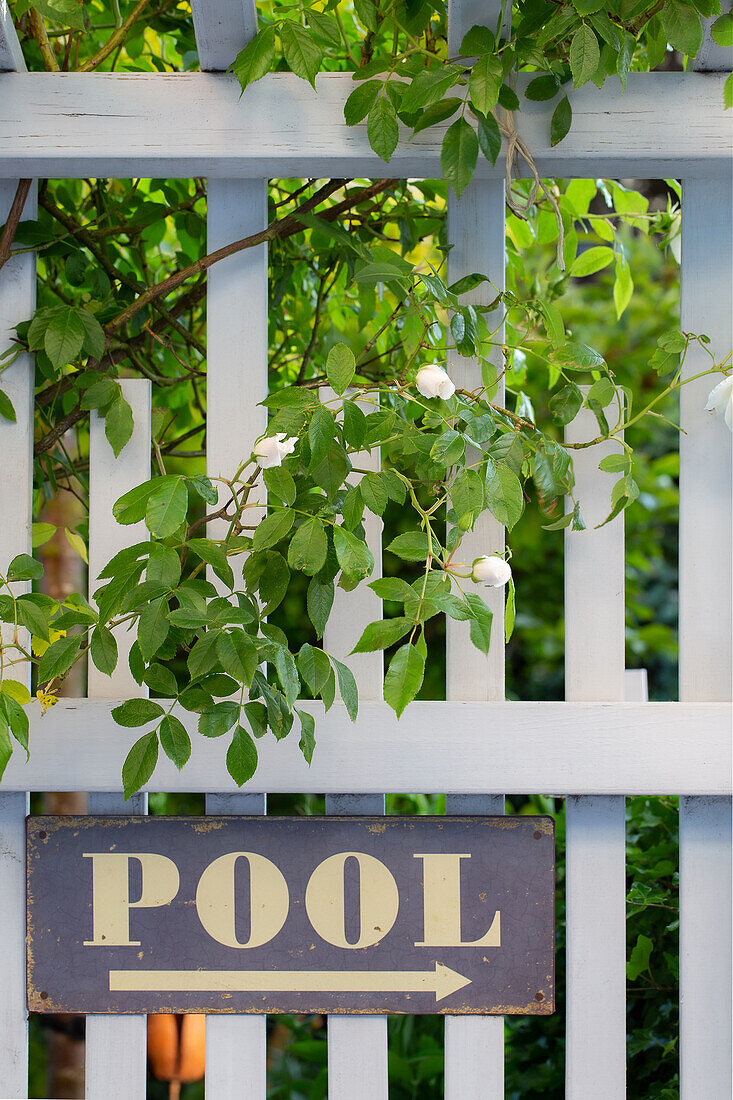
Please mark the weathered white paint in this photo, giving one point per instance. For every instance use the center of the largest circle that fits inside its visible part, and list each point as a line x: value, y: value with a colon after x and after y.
x: 712, y: 58
x: 706, y: 568
x: 192, y: 124
x: 17, y: 301
x: 11, y: 55
x: 116, y: 1055
x: 223, y: 28
x: 236, y: 383
x: 596, y: 852
x: 531, y: 747
x: 474, y: 1046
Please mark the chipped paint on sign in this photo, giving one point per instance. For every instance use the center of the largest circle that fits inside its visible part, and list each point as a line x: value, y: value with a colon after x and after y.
x: 393, y: 914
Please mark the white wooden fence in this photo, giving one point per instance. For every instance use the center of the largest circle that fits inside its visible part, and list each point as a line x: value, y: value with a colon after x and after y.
x: 605, y: 742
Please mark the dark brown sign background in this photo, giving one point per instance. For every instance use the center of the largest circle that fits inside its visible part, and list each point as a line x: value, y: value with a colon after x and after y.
x: 431, y: 959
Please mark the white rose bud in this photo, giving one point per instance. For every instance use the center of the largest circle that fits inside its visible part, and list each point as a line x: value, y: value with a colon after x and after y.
x: 491, y: 570
x: 433, y: 381
x: 721, y: 400
x: 271, y: 449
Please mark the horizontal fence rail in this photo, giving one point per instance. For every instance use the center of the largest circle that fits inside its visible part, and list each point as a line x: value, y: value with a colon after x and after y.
x: 193, y: 124
x: 561, y: 748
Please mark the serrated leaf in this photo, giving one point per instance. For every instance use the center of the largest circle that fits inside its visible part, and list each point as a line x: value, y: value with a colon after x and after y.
x: 382, y: 129
x: 15, y: 690
x: 381, y: 634
x: 458, y: 155
x: 504, y: 495
x: 273, y: 528
x: 308, y: 547
x: 280, y: 483
x: 354, y: 556
x: 640, y: 957
x: 256, y: 58
x: 682, y: 26
x: 64, y: 336
x: 76, y: 542
x: 140, y: 763
x: 238, y: 655
x: 58, y: 658
x: 118, y: 424
x: 175, y: 741
x: 203, y: 486
x: 591, y: 260
x: 584, y: 55
x: 32, y: 617
x: 94, y: 337
x: 41, y: 533
x: 562, y: 118
x: 314, y: 667
x: 216, y: 720
x: 347, y: 688
x: 361, y: 101
x: 6, y: 408
x: 214, y: 555
x: 404, y: 678
x: 153, y: 627
x: 543, y: 87
x: 204, y: 654
x: 307, y: 742
x: 103, y: 649
x: 166, y: 507
x: 302, y: 52
x: 480, y: 622
x: 484, y: 83
x: 340, y: 367
x: 24, y: 568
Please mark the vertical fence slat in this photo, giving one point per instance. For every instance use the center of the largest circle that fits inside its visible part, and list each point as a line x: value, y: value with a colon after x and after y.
x: 357, y: 1045
x: 474, y: 1046
x: 236, y: 311
x: 17, y: 302
x: 116, y: 1047
x: 596, y: 867
x: 706, y: 572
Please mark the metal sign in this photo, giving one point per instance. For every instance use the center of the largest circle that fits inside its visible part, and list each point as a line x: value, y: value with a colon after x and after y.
x: 255, y: 914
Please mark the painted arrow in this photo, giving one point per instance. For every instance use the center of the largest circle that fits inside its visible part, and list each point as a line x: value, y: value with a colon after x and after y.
x: 442, y: 981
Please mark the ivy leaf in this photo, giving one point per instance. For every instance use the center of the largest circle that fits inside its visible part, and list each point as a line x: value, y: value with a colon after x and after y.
x: 256, y: 58
x: 340, y: 367
x: 682, y: 26
x: 241, y: 756
x: 104, y: 650
x: 58, y: 658
x: 64, y: 336
x: 137, y: 712
x: 458, y: 154
x: 584, y: 55
x: 382, y: 129
x: 302, y: 52
x: 319, y: 603
x: 175, y: 740
x: 404, y: 678
x: 562, y: 117
x: 140, y: 763
x: 381, y: 634
x: 361, y: 101
x: 640, y: 957
x: 489, y: 137
x: 166, y: 507
x: 307, y: 741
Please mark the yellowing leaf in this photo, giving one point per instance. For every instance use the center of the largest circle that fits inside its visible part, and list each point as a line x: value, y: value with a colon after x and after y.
x: 76, y: 542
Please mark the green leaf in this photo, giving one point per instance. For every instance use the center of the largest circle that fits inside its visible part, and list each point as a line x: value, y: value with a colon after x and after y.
x: 324, y: 25
x: 94, y: 338
x: 256, y: 58
x: 6, y: 408
x: 722, y: 30
x: 58, y: 658
x: 164, y: 565
x: 382, y: 129
x: 203, y: 486
x: 41, y: 533
x: 391, y: 588
x: 64, y: 336
x: 591, y: 260
x: 565, y: 404
x: 480, y: 624
x: 302, y: 52
x: 458, y: 155
x: 623, y: 286
x: 410, y: 546
x: 314, y: 667
x: 24, y: 568
x: 175, y: 740
x: 280, y: 483
x: 640, y: 957
x: 354, y: 424
x: 214, y: 555
x: 274, y: 582
x: 484, y: 83
x: 361, y: 101
x: 584, y: 55
x: 153, y: 627
x: 437, y: 112
x: 308, y: 547
x: 682, y: 26
x: 16, y: 718
x: 6, y: 747
x: 241, y: 757
x: 216, y: 720
x: 204, y: 654
x: 130, y: 508
x: 137, y: 712
x: 321, y: 432
x: 140, y: 763
x: 273, y: 528
x: 476, y: 41
x: 354, y: 556
x: 166, y: 507
x: 31, y: 616
x: 287, y: 672
x: 374, y: 493
x: 340, y: 367
x: 542, y: 88
x: 504, y: 495
x: 381, y: 634
x: 157, y: 677
x: 404, y: 678
x: 562, y: 117
x: 104, y: 650
x: 509, y: 611
x: 118, y: 424
x: 238, y: 655
x: 307, y: 742
x: 15, y: 690
x: 347, y: 688
x: 573, y: 356
x: 489, y: 137
x: 319, y: 603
